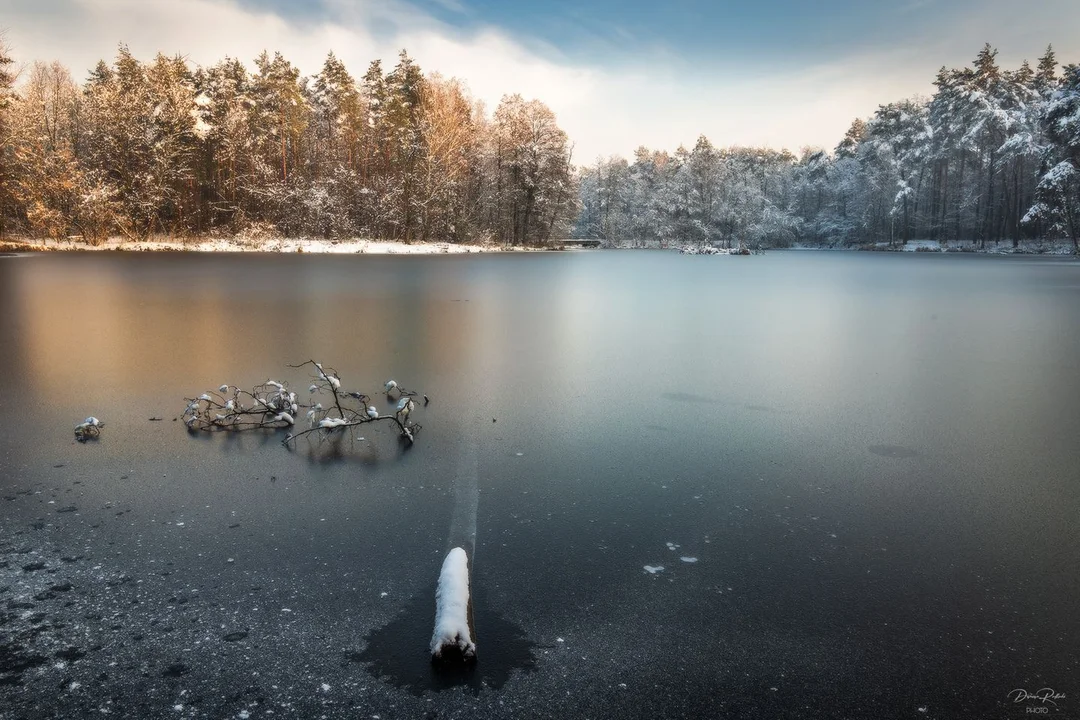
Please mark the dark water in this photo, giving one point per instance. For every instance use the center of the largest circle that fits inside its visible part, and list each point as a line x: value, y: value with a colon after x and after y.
x: 874, y: 459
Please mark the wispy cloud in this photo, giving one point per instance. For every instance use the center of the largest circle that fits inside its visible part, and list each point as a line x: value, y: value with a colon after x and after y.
x: 660, y: 97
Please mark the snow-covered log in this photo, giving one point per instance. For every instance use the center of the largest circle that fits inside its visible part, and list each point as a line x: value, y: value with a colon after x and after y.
x: 452, y: 640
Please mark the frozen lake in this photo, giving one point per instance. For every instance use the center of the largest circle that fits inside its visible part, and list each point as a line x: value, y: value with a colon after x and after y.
x: 792, y: 485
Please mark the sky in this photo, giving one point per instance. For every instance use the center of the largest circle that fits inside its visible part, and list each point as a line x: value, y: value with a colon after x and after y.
x: 618, y: 73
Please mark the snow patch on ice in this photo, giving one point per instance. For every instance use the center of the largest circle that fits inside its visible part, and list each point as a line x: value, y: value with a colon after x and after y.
x: 686, y: 559
x: 653, y: 569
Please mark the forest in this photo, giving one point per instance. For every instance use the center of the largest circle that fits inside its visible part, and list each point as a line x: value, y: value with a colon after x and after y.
x: 165, y: 148
x: 993, y: 156
x: 169, y: 148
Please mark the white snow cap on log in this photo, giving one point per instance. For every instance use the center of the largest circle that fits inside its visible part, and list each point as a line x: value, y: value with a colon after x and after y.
x: 452, y: 608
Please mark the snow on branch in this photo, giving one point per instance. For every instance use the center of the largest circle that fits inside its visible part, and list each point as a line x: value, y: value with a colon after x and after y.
x: 88, y: 429
x: 268, y: 405
x: 328, y: 409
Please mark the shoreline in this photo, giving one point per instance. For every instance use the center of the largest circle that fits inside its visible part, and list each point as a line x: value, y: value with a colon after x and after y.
x: 270, y: 245
x: 355, y: 246
x: 1057, y: 248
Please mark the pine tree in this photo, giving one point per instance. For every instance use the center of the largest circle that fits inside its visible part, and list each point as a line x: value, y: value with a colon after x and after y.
x: 849, y: 146
x: 119, y: 141
x: 1058, y: 193
x: 403, y: 134
x: 1046, y: 74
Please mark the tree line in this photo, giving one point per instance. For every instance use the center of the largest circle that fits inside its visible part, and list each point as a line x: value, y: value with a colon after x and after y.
x: 992, y: 156
x: 166, y: 147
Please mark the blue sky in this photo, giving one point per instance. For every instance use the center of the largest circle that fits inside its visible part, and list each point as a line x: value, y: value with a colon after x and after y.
x: 770, y: 32
x: 618, y: 74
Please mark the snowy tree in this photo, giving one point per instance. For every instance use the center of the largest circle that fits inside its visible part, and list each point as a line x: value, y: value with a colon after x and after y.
x: 7, y: 161
x: 1058, y: 193
x: 536, y: 193
x: 227, y: 167
x: 403, y: 135
x: 848, y: 147
x: 451, y: 139
x: 280, y: 111
x: 175, y: 134
x: 46, y: 181
x: 138, y: 139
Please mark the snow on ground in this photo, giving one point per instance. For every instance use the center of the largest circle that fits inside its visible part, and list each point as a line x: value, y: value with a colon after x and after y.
x: 303, y: 245
x: 452, y: 607
x: 1003, y: 248
x: 1026, y: 247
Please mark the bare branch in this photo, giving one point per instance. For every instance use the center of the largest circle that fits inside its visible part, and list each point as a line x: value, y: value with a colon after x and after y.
x: 272, y: 405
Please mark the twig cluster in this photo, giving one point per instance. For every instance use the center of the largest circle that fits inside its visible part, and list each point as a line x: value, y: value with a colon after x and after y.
x: 272, y: 405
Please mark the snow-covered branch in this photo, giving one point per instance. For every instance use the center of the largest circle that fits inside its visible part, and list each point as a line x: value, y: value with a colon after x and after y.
x: 328, y: 410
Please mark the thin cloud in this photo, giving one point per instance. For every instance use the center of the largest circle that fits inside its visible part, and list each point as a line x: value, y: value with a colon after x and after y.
x: 657, y: 101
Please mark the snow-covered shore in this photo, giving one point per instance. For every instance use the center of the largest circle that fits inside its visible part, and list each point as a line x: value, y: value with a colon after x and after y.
x: 1026, y: 247
x: 285, y: 245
